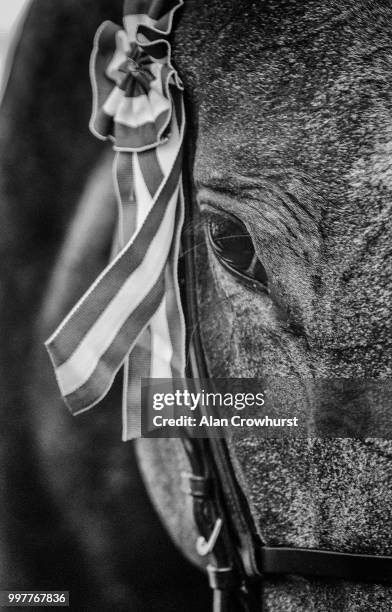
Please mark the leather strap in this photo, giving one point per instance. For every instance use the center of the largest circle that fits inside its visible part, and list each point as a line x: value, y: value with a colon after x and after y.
x: 325, y: 564
x: 228, y: 579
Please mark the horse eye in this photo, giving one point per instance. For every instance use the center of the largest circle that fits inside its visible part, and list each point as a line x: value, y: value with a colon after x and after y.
x: 234, y: 248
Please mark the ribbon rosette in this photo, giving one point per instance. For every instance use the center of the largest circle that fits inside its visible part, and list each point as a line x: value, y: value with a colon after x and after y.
x: 136, y: 112
x: 134, y: 306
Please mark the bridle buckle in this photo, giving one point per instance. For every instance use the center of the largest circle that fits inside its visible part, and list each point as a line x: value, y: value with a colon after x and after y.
x: 205, y: 547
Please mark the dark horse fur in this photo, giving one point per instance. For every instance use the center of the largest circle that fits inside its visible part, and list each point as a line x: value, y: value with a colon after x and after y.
x: 289, y: 108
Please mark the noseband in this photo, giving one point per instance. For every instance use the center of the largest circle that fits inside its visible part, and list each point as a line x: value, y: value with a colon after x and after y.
x: 239, y: 559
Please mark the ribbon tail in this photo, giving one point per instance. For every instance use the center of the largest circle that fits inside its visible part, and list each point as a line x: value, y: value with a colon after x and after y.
x: 92, y: 343
x: 138, y: 367
x: 160, y: 352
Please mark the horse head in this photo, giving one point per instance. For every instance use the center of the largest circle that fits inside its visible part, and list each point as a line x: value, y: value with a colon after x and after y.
x: 288, y: 172
x: 289, y: 113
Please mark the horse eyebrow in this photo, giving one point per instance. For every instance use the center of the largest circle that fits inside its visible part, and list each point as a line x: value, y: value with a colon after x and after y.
x: 234, y: 183
x: 283, y: 218
x: 280, y: 200
x: 252, y: 184
x: 220, y: 192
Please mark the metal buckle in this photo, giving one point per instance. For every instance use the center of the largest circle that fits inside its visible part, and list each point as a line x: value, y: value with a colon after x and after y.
x: 197, y: 486
x: 205, y: 547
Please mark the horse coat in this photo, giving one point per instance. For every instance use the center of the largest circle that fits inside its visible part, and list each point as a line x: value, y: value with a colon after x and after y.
x: 299, y: 96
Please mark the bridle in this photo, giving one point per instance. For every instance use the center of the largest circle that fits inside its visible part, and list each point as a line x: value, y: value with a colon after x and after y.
x: 238, y: 558
x: 220, y: 511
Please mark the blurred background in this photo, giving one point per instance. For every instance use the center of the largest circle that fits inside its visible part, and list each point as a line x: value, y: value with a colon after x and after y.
x: 11, y: 11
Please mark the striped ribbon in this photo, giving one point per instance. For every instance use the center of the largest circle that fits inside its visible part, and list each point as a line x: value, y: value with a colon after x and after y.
x: 134, y: 305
